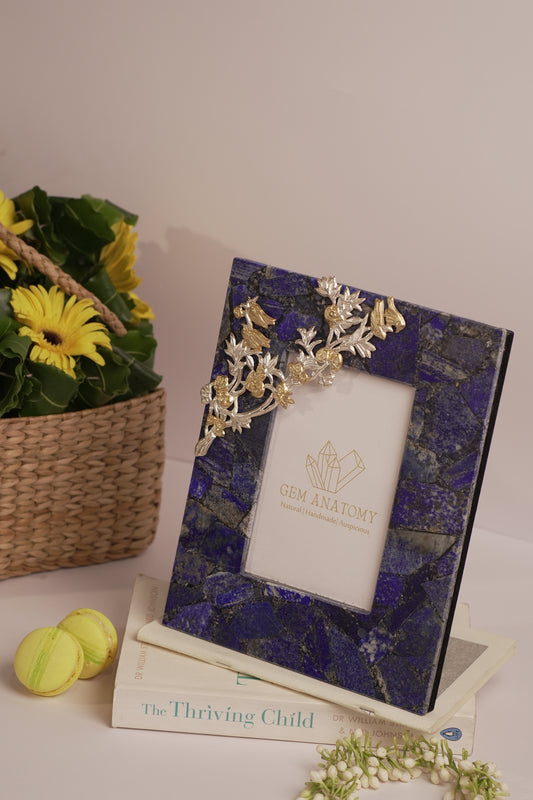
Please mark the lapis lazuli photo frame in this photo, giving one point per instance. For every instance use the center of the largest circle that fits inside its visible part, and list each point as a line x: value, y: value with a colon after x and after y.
x: 283, y: 335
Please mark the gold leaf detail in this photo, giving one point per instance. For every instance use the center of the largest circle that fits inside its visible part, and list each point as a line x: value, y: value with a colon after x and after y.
x: 254, y: 339
x: 393, y: 316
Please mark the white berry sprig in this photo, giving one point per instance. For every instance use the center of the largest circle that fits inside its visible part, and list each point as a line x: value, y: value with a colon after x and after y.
x: 355, y: 763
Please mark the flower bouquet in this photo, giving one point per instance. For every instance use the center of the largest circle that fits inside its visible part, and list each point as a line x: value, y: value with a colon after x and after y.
x: 81, y: 411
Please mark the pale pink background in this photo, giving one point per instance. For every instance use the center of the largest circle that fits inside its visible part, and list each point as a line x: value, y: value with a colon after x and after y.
x: 388, y: 144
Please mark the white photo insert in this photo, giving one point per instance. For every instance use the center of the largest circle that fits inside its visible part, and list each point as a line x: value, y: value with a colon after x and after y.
x: 327, y: 492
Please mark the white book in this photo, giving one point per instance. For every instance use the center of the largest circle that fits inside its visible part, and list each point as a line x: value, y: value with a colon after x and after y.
x: 472, y: 657
x: 159, y: 689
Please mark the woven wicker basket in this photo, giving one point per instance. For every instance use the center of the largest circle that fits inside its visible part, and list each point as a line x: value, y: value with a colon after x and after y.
x: 80, y: 488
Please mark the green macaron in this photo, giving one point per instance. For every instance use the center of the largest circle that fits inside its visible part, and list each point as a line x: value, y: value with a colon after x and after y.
x: 48, y: 661
x: 97, y: 637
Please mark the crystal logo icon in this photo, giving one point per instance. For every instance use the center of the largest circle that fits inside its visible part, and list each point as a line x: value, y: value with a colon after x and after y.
x: 330, y: 473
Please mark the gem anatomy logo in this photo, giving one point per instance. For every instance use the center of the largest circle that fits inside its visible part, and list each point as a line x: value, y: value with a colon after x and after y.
x: 330, y: 473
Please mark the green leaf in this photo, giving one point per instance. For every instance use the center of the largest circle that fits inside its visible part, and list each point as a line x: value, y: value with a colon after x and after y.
x: 13, y: 352
x: 136, y: 344
x: 103, y: 384
x: 35, y: 205
x: 6, y: 324
x: 102, y: 286
x: 5, y: 303
x: 51, y: 391
x: 83, y: 229
x: 111, y: 212
x: 11, y: 384
x: 11, y: 344
x: 142, y: 379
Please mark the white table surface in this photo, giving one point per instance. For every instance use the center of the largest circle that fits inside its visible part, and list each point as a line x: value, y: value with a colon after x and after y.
x: 65, y: 747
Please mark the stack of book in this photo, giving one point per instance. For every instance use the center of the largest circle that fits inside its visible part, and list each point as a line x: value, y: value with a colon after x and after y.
x: 159, y: 689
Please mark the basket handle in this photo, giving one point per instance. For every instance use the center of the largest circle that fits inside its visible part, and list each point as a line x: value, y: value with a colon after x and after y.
x: 62, y: 279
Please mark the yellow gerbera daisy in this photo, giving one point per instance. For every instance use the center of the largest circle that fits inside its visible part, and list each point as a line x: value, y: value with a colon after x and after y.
x: 141, y: 310
x: 8, y: 218
x: 118, y: 258
x: 58, y: 330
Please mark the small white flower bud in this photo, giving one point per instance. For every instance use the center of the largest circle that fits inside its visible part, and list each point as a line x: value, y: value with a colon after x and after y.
x: 466, y: 766
x: 332, y: 771
x: 416, y: 772
x: 434, y: 777
x: 383, y: 775
x: 405, y: 776
x: 342, y: 766
x: 373, y: 782
x: 372, y: 770
x: 381, y: 752
x: 395, y: 774
x: 364, y: 781
x: 428, y: 755
x: 373, y: 761
x: 409, y: 763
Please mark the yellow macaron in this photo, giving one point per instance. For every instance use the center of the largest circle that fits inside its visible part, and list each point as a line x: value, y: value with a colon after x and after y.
x: 48, y: 661
x: 97, y: 637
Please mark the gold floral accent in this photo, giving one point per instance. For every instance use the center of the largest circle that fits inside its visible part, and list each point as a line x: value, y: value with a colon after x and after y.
x: 253, y: 313
x: 283, y: 395
x: 216, y: 424
x: 220, y: 385
x: 297, y: 372
x: 254, y: 382
x: 332, y: 315
x: 351, y: 330
x: 332, y: 357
